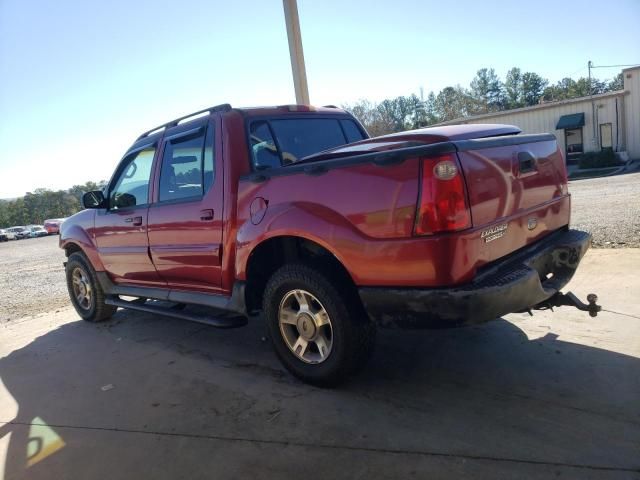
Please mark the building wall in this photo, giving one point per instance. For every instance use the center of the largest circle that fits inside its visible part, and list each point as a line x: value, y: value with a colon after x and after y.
x: 543, y: 120
x: 631, y: 77
x: 621, y: 109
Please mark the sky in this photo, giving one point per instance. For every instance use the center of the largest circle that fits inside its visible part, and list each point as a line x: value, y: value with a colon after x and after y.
x: 79, y: 81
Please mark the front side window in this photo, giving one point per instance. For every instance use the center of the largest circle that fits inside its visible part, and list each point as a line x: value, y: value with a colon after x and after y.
x: 132, y: 186
x: 187, y: 167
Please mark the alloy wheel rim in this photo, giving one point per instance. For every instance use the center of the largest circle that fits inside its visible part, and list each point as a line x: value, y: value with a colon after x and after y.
x: 305, y: 326
x: 81, y: 288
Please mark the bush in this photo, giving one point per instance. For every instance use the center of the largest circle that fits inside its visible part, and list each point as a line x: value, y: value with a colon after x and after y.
x: 602, y: 159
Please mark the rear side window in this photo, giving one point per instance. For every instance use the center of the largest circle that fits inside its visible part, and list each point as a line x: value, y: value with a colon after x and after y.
x: 351, y: 131
x: 264, y: 152
x: 187, y: 167
x: 298, y: 139
x: 279, y: 142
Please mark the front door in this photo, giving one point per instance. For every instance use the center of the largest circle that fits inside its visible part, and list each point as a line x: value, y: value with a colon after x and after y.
x: 121, y: 229
x: 185, y: 220
x: 573, y: 141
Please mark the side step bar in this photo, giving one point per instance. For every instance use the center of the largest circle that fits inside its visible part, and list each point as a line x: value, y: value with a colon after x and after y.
x: 220, y: 321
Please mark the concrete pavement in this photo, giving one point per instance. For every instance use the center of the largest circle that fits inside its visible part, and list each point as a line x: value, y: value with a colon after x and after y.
x: 554, y: 395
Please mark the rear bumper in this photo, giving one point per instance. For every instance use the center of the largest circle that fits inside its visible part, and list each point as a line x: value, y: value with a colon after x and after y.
x: 512, y: 284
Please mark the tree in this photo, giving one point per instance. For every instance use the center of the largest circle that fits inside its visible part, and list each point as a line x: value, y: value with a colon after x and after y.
x: 513, y: 89
x: 452, y: 103
x: 488, y: 91
x: 533, y: 86
x: 617, y: 83
x: 430, y: 113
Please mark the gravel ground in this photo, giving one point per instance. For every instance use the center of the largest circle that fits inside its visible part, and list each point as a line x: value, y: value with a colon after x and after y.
x: 32, y: 277
x: 609, y: 208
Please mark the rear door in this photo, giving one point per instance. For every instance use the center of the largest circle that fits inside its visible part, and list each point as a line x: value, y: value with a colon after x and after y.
x: 121, y: 229
x: 185, y: 220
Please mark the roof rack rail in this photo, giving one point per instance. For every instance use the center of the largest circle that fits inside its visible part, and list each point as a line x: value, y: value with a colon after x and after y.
x: 330, y: 106
x: 223, y: 107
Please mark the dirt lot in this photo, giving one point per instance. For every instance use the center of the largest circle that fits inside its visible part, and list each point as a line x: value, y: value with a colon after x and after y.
x: 31, y: 277
x: 609, y: 208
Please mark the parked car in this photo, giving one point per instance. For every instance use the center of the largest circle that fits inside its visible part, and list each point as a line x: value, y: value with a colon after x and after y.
x: 52, y: 226
x: 266, y: 209
x: 19, y: 232
x: 6, y: 235
x: 37, y: 231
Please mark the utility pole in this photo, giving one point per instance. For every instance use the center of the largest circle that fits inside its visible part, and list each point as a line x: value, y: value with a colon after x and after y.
x: 593, y: 108
x: 295, y: 51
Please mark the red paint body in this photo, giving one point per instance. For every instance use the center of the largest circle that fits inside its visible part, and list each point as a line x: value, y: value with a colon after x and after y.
x: 364, y: 214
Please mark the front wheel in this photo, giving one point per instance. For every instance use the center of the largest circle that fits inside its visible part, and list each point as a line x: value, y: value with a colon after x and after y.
x: 320, y: 333
x: 84, y: 290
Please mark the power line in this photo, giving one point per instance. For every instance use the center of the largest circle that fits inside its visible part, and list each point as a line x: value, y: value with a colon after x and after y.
x: 615, y: 66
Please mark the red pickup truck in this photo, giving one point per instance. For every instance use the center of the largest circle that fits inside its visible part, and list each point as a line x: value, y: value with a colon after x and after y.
x: 295, y: 212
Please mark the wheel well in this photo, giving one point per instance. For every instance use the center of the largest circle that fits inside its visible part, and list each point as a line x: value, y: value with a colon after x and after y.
x: 271, y: 254
x: 71, y: 248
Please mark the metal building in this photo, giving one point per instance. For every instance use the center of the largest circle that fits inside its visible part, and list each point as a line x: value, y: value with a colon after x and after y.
x: 585, y: 124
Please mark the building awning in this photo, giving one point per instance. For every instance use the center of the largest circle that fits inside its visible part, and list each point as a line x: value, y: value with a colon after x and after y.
x: 574, y: 120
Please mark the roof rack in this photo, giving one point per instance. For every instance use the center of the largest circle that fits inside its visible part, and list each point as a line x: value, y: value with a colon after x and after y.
x: 223, y: 107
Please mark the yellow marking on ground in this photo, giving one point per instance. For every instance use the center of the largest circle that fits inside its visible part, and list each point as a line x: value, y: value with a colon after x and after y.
x: 43, y: 442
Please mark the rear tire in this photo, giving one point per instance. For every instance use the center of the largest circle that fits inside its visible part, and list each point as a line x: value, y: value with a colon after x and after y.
x: 319, y: 330
x: 85, y: 291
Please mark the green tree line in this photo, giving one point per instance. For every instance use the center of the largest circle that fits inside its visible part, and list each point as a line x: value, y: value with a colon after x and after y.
x: 486, y: 93
x: 41, y: 204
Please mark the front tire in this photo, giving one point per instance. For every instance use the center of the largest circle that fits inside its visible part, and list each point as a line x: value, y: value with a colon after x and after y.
x: 320, y: 333
x: 85, y: 291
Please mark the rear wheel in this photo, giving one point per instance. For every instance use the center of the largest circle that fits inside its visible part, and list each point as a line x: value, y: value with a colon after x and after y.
x: 320, y: 332
x: 85, y: 292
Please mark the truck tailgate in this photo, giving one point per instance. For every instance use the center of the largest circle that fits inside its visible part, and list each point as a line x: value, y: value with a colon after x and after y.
x: 517, y: 188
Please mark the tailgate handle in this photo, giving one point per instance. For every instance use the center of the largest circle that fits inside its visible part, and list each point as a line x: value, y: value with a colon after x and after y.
x: 526, y: 162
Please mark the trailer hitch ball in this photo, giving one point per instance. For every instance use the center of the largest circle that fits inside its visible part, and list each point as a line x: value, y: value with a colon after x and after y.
x: 592, y: 298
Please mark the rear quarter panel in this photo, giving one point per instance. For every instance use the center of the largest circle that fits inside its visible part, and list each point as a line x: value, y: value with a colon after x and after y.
x: 352, y: 211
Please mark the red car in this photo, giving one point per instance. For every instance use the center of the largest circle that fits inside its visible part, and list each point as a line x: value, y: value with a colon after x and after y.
x: 52, y: 226
x: 293, y: 212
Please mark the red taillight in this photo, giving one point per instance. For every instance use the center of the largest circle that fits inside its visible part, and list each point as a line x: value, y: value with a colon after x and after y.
x: 443, y: 205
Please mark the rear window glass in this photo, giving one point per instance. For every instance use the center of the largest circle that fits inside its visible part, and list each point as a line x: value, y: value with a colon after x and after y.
x: 285, y: 141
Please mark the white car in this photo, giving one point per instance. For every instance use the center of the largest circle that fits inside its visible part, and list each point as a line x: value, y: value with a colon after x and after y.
x: 37, y: 231
x: 6, y: 235
x: 19, y: 232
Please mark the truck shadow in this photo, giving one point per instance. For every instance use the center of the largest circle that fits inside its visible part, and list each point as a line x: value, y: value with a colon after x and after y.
x: 486, y: 392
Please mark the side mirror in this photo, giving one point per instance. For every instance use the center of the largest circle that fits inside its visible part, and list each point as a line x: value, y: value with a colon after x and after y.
x: 93, y: 199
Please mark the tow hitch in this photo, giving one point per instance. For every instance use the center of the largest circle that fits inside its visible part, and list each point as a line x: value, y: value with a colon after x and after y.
x: 569, y: 299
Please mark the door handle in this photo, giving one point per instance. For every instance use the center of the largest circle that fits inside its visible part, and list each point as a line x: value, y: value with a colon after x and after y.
x: 206, y: 214
x: 137, y: 221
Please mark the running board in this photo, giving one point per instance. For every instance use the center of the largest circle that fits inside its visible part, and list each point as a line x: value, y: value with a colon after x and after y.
x: 218, y: 322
